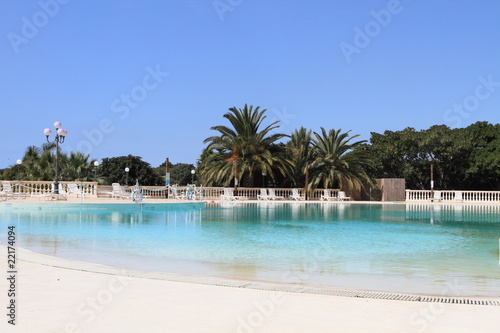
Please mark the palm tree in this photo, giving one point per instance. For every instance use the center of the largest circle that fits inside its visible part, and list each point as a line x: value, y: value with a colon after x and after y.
x: 30, y: 160
x: 75, y: 167
x: 38, y: 163
x: 243, y: 150
x: 301, y: 154
x: 337, y: 162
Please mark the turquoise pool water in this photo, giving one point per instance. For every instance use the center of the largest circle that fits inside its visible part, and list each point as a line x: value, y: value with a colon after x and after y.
x: 432, y: 249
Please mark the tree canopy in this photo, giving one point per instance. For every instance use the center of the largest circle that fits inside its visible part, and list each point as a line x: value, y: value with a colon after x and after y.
x: 463, y: 158
x: 254, y: 153
x: 112, y: 170
x: 180, y: 173
x: 242, y: 151
x: 336, y: 162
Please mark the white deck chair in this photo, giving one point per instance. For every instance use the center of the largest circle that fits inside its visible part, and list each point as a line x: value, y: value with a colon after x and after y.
x: 343, y: 197
x: 295, y: 195
x: 62, y: 192
x: 228, y: 195
x: 458, y: 196
x: 327, y: 195
x: 118, y: 191
x: 437, y: 196
x: 40, y: 193
x: 263, y: 194
x: 175, y: 193
x: 6, y: 190
x: 273, y: 196
x: 74, y: 190
x: 198, y: 193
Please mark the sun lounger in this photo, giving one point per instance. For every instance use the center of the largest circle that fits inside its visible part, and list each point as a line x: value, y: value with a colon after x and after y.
x: 62, y: 193
x: 343, y: 197
x: 39, y: 193
x: 437, y: 196
x: 229, y: 195
x: 273, y: 196
x: 263, y: 195
x: 295, y: 195
x: 198, y: 193
x: 118, y: 192
x: 327, y: 195
x: 6, y: 190
x: 74, y: 190
x: 175, y: 193
x: 458, y: 196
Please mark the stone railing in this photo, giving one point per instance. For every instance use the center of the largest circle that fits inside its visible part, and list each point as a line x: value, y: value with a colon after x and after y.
x: 251, y: 193
x: 454, y: 196
x: 41, y: 187
x: 92, y: 189
x: 212, y: 193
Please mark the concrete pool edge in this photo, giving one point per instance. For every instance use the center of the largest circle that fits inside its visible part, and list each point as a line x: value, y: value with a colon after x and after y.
x: 56, y: 262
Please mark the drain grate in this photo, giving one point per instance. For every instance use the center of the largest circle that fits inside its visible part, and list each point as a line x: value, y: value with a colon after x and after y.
x: 375, y: 295
x: 288, y: 288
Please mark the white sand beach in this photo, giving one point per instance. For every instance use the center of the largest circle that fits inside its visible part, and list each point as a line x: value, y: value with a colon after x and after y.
x: 58, y: 295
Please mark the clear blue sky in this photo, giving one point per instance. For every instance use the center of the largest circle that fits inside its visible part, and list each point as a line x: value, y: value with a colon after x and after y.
x: 150, y: 78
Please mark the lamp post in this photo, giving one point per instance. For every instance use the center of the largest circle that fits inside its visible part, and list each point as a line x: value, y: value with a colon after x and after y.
x: 18, y: 162
x: 96, y: 164
x: 126, y: 179
x: 307, y: 182
x: 432, y: 181
x: 263, y: 178
x: 60, y: 135
x: 192, y: 176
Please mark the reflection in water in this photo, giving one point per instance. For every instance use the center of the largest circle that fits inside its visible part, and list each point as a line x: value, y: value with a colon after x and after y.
x: 453, y: 212
x: 418, y: 246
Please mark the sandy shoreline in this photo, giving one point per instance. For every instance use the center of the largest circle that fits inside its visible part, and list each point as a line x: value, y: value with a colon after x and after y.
x: 58, y: 295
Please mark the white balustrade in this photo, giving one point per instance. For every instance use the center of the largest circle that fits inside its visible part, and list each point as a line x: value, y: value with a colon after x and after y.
x: 450, y: 196
x: 37, y: 187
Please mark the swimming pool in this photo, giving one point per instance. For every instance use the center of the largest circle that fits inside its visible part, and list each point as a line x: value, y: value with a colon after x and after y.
x: 416, y: 248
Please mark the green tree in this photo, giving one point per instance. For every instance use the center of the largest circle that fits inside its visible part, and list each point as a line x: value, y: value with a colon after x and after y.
x: 300, y: 151
x: 112, y: 170
x: 483, y: 169
x: 462, y: 158
x: 180, y: 173
x: 243, y: 151
x: 76, y: 167
x: 38, y: 163
x: 337, y: 161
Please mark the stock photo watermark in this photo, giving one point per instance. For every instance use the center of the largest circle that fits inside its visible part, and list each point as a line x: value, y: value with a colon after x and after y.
x: 364, y: 36
x: 97, y: 303
x: 421, y: 318
x: 31, y: 26
x: 263, y: 310
x: 284, y: 120
x: 122, y: 107
x: 223, y: 6
x: 455, y: 115
x: 11, y: 275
